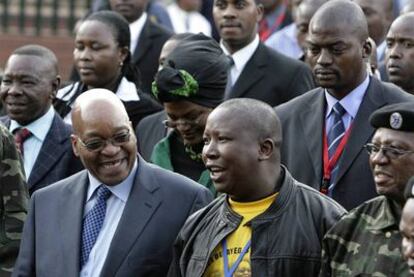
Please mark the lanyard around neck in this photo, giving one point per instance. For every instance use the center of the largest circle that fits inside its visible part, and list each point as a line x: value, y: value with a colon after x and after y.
x: 329, y: 164
x: 228, y: 272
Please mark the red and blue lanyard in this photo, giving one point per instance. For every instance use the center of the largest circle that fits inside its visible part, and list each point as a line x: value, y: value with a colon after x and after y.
x: 329, y: 164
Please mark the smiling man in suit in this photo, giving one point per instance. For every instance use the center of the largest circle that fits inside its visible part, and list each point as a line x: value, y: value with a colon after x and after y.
x: 27, y: 90
x: 257, y: 71
x: 119, y: 217
x: 324, y: 130
x: 147, y: 38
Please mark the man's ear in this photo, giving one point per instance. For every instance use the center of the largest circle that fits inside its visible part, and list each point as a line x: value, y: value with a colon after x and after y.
x: 367, y: 49
x: 55, y: 87
x: 260, y: 11
x: 74, y: 140
x: 266, y: 149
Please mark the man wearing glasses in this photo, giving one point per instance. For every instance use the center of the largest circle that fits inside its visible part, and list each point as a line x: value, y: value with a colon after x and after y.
x: 119, y: 217
x: 366, y: 242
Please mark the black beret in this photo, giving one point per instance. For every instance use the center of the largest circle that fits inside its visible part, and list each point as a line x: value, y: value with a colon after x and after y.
x: 195, y: 70
x: 399, y: 116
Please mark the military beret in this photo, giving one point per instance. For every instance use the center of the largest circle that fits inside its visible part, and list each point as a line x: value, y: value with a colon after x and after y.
x: 399, y: 116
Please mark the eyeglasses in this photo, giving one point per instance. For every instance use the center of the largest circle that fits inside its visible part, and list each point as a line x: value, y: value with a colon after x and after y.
x: 183, y: 121
x: 389, y: 152
x: 96, y: 145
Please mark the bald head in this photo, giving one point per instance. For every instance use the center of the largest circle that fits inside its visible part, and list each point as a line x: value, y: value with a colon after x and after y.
x: 255, y: 116
x: 103, y: 137
x: 97, y: 105
x: 340, y: 14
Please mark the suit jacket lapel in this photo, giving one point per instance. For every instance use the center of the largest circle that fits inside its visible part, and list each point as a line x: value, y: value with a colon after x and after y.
x: 140, y: 207
x: 50, y: 152
x: 312, y: 124
x: 361, y: 131
x: 144, y: 43
x: 251, y: 74
x: 72, y: 203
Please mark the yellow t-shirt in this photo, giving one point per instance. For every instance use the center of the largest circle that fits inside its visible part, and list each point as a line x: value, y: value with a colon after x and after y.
x: 237, y: 240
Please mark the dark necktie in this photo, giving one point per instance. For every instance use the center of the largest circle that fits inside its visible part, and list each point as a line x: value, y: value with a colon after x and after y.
x: 229, y: 85
x: 19, y: 138
x: 92, y: 223
x: 335, y: 135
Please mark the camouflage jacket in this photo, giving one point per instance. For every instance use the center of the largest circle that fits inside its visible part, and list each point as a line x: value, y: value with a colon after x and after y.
x: 13, y: 201
x: 366, y: 242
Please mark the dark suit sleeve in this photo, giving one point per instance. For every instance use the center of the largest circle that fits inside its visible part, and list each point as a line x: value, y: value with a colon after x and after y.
x: 301, y: 83
x: 25, y: 264
x: 174, y: 270
x: 202, y: 199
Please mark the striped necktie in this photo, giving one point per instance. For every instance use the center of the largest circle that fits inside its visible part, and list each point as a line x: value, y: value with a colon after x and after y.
x: 335, y: 135
x: 20, y: 135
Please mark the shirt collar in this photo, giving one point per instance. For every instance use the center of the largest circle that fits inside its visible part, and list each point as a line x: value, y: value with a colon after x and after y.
x: 136, y: 27
x: 351, y: 102
x: 121, y: 190
x: 242, y: 56
x: 40, y: 127
x: 388, y: 214
x: 127, y: 91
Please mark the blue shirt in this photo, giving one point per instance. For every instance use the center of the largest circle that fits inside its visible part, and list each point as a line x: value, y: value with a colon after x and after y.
x: 114, y: 209
x: 351, y: 104
x: 32, y: 145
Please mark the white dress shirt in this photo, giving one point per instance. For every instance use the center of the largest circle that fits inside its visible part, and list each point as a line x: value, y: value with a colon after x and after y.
x: 350, y: 103
x: 115, y: 205
x: 136, y: 28
x: 188, y: 22
x: 240, y: 58
x: 32, y: 145
x: 127, y: 91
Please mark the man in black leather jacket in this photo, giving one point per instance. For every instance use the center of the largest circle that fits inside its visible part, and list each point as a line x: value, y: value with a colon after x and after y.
x: 269, y: 224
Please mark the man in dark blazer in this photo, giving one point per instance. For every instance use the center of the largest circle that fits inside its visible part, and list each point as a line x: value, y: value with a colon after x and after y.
x: 337, y: 49
x: 28, y: 88
x: 147, y: 38
x: 144, y: 210
x: 257, y: 71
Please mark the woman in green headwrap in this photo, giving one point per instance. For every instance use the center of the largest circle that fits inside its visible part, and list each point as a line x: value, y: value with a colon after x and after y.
x: 190, y: 84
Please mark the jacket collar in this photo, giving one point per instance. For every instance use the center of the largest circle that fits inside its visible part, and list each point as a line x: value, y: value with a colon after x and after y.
x: 387, y: 215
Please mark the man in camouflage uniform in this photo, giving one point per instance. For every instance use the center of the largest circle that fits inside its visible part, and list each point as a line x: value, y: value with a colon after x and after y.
x: 13, y: 201
x: 366, y: 242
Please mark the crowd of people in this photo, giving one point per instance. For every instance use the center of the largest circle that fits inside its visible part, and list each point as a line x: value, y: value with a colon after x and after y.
x: 213, y: 138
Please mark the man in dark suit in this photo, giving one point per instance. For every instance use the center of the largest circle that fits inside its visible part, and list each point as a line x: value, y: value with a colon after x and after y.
x: 134, y: 209
x: 28, y: 88
x: 321, y: 146
x: 147, y: 38
x: 257, y: 71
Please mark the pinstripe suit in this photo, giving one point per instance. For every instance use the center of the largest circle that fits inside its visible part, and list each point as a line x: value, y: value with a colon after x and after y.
x: 56, y: 160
